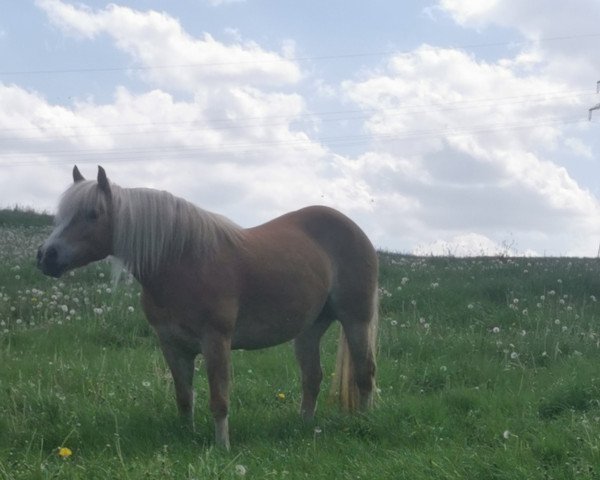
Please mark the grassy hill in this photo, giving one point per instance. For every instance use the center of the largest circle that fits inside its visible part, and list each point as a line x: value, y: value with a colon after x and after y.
x: 19, y: 216
x: 488, y: 369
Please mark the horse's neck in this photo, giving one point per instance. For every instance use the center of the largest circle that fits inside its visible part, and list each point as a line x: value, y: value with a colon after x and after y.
x: 153, y: 227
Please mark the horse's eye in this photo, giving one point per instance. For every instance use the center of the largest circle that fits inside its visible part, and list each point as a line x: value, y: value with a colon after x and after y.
x: 91, y: 216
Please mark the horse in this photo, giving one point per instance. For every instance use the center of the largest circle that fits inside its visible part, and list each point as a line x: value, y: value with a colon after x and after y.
x: 210, y: 286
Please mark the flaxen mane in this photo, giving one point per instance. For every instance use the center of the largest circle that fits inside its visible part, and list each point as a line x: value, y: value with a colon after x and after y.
x: 152, y: 226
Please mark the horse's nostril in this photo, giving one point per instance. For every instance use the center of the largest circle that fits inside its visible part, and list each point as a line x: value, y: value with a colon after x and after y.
x: 51, y: 253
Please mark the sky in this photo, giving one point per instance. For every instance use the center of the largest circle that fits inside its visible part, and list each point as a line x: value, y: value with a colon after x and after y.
x: 441, y: 127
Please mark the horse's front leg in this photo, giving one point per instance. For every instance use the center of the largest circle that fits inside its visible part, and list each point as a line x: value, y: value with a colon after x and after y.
x: 216, y: 349
x: 181, y: 364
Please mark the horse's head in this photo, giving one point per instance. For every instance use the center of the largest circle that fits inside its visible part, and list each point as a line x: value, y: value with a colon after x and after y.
x: 83, y: 226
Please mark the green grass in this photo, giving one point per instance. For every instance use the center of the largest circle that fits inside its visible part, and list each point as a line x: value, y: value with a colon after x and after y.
x: 488, y: 369
x: 20, y: 217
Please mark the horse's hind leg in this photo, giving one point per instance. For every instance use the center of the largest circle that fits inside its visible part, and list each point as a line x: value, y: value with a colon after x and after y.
x: 307, y: 349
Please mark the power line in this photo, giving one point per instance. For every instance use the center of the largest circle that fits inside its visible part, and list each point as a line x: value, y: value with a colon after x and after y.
x: 141, y: 154
x: 280, y: 59
x: 225, y: 124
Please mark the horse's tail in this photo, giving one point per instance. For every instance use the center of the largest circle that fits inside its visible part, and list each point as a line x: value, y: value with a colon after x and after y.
x: 344, y: 387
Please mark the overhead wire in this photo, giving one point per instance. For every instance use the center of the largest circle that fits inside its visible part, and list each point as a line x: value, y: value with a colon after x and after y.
x: 281, y: 59
x: 225, y: 124
x: 240, y: 122
x: 139, y: 154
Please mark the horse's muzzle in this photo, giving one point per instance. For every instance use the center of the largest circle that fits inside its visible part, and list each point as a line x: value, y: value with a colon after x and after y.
x: 48, y: 263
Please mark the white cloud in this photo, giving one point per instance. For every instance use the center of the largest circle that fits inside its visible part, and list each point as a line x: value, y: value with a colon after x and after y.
x: 474, y: 144
x: 468, y: 245
x: 579, y: 148
x: 173, y: 58
x: 558, y: 31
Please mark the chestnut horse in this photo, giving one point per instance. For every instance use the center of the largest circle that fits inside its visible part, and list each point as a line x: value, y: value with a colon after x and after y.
x: 210, y: 286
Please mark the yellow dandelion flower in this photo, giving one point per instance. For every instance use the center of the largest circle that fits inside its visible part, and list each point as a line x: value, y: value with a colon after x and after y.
x: 64, y: 452
x: 280, y: 396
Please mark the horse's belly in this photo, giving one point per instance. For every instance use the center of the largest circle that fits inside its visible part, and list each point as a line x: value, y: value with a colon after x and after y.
x: 272, y: 325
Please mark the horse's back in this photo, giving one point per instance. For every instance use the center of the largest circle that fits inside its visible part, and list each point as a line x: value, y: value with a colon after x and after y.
x: 350, y: 254
x: 343, y: 240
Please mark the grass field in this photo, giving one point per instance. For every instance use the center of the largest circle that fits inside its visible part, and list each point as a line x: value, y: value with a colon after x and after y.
x: 488, y: 369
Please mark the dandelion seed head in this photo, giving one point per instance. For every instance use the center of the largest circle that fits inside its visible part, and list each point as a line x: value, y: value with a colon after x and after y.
x: 240, y: 470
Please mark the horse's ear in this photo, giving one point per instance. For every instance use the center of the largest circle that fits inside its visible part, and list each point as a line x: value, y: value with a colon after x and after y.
x: 77, y: 176
x: 103, y: 181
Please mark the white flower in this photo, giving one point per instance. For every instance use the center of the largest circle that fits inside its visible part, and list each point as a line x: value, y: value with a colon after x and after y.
x: 506, y: 434
x: 146, y: 383
x: 514, y: 355
x: 496, y: 330
x: 98, y: 311
x: 130, y: 309
x: 240, y: 470
x: 64, y: 308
